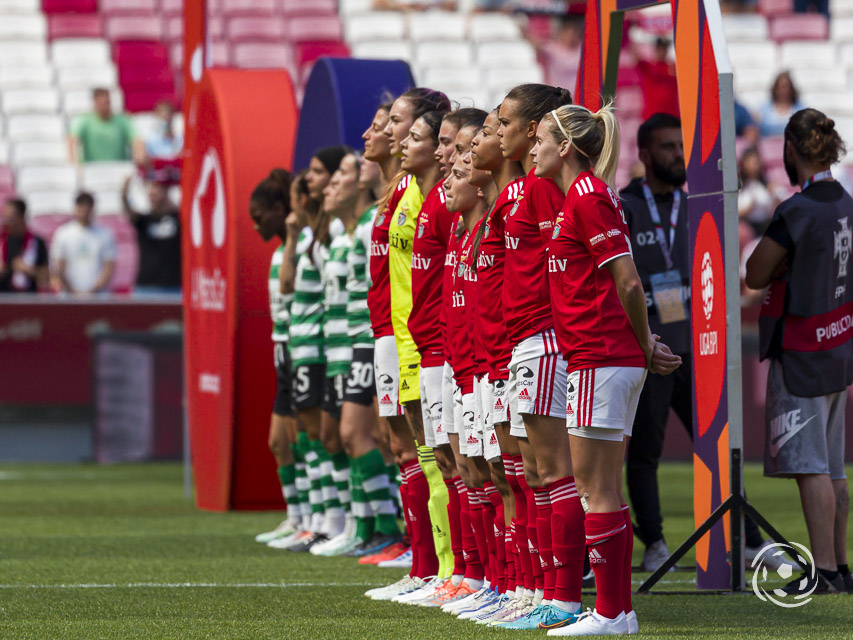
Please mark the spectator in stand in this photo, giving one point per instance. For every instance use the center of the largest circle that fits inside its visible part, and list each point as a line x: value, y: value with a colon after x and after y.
x: 158, y: 234
x: 820, y: 6
x: 561, y: 55
x: 756, y: 199
x: 82, y: 254
x: 104, y: 136
x: 23, y: 256
x: 784, y: 102
x: 745, y: 126
x: 163, y: 143
x: 657, y: 80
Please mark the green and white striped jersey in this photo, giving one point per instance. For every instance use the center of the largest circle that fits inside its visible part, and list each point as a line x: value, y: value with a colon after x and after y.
x: 279, y: 303
x: 358, y: 282
x: 306, y: 310
x: 338, y: 344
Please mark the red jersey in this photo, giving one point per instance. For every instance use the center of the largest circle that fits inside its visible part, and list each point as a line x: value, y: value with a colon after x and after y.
x: 592, y: 327
x: 471, y: 289
x: 527, y: 232
x: 490, y: 276
x: 461, y: 346
x: 429, y: 249
x: 379, y: 296
x: 451, y: 259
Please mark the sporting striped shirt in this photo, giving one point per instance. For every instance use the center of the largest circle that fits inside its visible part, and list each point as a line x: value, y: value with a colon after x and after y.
x: 358, y: 281
x: 306, y: 310
x: 336, y: 297
x: 279, y: 303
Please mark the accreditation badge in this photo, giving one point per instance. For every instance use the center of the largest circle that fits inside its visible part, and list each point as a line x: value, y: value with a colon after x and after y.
x: 668, y: 296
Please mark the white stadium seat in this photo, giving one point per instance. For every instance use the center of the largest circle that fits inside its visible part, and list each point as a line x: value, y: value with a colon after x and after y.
x: 105, y: 176
x: 753, y: 54
x: 34, y: 153
x: 29, y: 128
x: 47, y: 178
x: 745, y: 27
x: 30, y: 101
x: 19, y: 6
x: 23, y: 27
x: 382, y: 50
x: 375, y: 26
x: 262, y: 55
x: 506, y: 79
x: 80, y: 101
x: 487, y: 27
x: 494, y: 55
x: 22, y: 53
x: 804, y: 55
x: 29, y: 77
x: 47, y: 202
x: 841, y: 28
x: 471, y: 98
x: 819, y: 79
x: 107, y: 201
x: 87, y: 77
x: 836, y: 104
x: 4, y: 152
x: 80, y: 52
x: 436, y: 25
x: 437, y: 54
x: 351, y: 7
x: 453, y: 77
x: 747, y: 79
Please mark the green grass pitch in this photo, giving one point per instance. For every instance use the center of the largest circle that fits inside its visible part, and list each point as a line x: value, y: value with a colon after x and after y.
x: 118, y: 552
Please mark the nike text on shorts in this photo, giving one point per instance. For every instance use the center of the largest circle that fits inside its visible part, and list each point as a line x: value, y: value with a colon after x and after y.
x: 601, y: 403
x: 802, y: 435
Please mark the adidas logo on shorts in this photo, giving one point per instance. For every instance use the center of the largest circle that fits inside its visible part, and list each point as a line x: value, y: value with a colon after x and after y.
x: 493, y: 440
x: 386, y: 399
x: 404, y: 386
x: 595, y: 557
x: 438, y: 428
x: 524, y: 395
x: 499, y: 405
x: 569, y: 410
x: 472, y: 439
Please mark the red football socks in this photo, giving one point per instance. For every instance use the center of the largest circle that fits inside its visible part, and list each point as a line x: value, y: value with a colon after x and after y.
x: 543, y: 530
x: 605, y: 535
x: 627, y: 607
x: 567, y: 538
x: 453, y: 516
x: 422, y: 543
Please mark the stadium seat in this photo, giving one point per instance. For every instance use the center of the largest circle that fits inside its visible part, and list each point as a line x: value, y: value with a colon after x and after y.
x: 29, y: 77
x: 14, y: 53
x: 453, y: 77
x: 35, y: 153
x: 86, y: 77
x: 438, y: 54
x: 107, y: 201
x: 306, y: 7
x: 467, y: 97
x: 775, y: 7
x: 172, y: 7
x: 23, y: 128
x: 838, y: 8
x: 112, y: 7
x: 809, y: 26
x: 254, y: 29
x: 629, y: 102
x: 305, y: 28
x: 30, y: 101
x: 382, y: 50
x: 49, y: 202
x: 436, y: 25
x: 23, y: 27
x: 838, y: 104
x: 134, y: 28
x: 354, y: 7
x: 506, y: 79
x: 19, y: 6
x: 820, y: 79
x: 763, y: 55
x: 135, y: 54
x: 48, y: 178
x: 746, y: 79
x: 808, y: 55
x: 248, y: 7
x: 5, y: 152
x: 308, y: 52
x: 262, y: 56
x: 146, y: 78
x: 375, y: 26
x: 745, y: 27
x: 80, y: 101
x: 83, y: 52
x: 7, y: 178
x: 220, y: 53
x: 135, y: 101
x: 841, y: 28
x: 486, y: 27
x: 495, y: 55
x: 174, y: 27
x: 51, y: 7
x: 62, y: 25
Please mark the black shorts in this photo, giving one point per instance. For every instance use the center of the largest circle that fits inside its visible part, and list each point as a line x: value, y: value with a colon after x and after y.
x: 360, y: 385
x: 283, y: 404
x: 308, y: 382
x: 333, y: 395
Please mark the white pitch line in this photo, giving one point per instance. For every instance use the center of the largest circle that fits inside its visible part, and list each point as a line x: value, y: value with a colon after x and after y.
x: 190, y: 585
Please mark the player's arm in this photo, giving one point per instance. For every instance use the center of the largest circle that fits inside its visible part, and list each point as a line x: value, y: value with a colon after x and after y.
x: 767, y: 262
x: 129, y: 211
x: 287, y: 273
x: 60, y: 282
x: 104, y: 277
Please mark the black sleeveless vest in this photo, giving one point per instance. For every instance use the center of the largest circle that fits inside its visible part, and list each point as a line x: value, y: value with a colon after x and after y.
x: 807, y: 316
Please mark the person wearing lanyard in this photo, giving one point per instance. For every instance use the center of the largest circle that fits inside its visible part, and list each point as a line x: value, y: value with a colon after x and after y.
x: 656, y: 212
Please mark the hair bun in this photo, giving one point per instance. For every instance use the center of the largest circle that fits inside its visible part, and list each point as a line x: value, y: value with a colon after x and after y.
x: 825, y: 124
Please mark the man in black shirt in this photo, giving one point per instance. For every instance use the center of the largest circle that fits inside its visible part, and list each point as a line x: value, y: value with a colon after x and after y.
x: 23, y: 256
x: 159, y: 238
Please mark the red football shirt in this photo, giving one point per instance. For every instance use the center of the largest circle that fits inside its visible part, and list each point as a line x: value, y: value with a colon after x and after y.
x: 490, y: 277
x: 379, y: 296
x: 429, y: 249
x: 592, y: 327
x: 461, y: 346
x: 451, y: 259
x: 527, y: 232
x: 471, y: 289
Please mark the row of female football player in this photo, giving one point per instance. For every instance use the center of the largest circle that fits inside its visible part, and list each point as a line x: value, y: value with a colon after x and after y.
x: 490, y: 303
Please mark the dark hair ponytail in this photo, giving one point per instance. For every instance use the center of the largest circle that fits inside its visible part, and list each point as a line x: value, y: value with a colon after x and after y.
x: 433, y: 121
x: 533, y: 100
x: 273, y: 190
x: 814, y: 137
x: 422, y: 100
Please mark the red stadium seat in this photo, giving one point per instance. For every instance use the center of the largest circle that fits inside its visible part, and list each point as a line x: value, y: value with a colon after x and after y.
x: 69, y: 6
x: 307, y: 7
x: 46, y: 224
x: 308, y: 52
x: 174, y: 28
x: 254, y: 29
x: 145, y: 78
x: 262, y: 56
x: 802, y: 26
x: 131, y: 53
x: 248, y: 7
x: 770, y: 149
x: 135, y: 102
x: 172, y: 7
x: 7, y: 178
x: 134, y: 28
x: 64, y: 25
x: 307, y: 28
x: 139, y: 7
x: 775, y: 7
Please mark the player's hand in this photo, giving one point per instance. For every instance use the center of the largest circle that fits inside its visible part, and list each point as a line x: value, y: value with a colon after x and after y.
x: 292, y: 224
x: 664, y: 362
x: 780, y: 270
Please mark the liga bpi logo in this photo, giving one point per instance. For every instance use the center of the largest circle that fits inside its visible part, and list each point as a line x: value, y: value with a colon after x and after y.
x: 806, y: 586
x: 707, y: 285
x: 210, y: 167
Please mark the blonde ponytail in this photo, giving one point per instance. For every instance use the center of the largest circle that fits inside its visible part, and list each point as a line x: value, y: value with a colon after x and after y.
x: 595, y: 136
x: 608, y: 159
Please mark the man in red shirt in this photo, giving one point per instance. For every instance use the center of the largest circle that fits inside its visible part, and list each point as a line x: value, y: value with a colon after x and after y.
x: 658, y: 82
